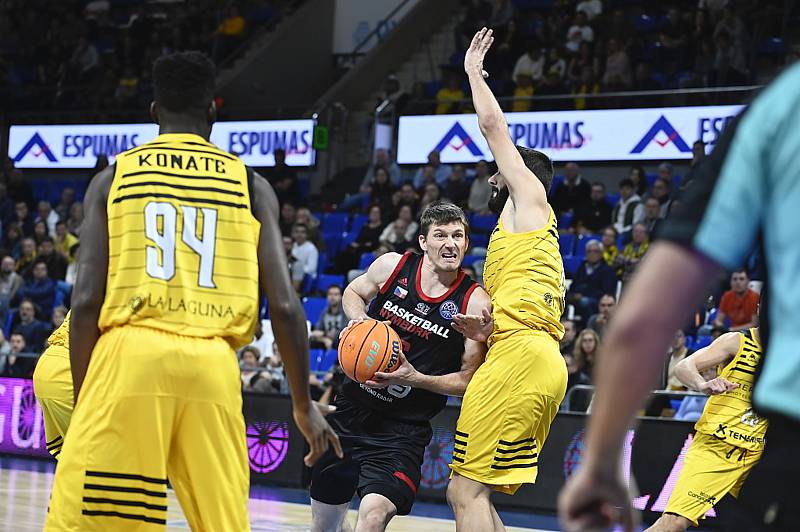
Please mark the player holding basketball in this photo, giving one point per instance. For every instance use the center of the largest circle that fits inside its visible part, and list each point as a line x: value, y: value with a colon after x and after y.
x: 52, y: 384
x: 730, y: 436
x: 514, y: 396
x: 384, y: 425
x: 176, y: 237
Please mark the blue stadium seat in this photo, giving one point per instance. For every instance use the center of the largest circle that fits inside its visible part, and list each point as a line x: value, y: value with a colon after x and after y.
x: 328, y: 359
x: 469, y: 260
x: 566, y: 244
x: 9, y: 320
x: 613, y: 199
x: 315, y: 357
x: 325, y: 281
x: 366, y: 260
x: 571, y: 265
x: 359, y: 221
x: 483, y: 223
x: 565, y: 220
x: 646, y: 24
x: 651, y: 178
x: 313, y: 307
x: 557, y: 180
x: 347, y: 239
x: 322, y: 262
x: 335, y: 222
x: 773, y: 46
x: 307, y: 285
x: 478, y: 240
x: 580, y: 246
x: 333, y: 242
x: 701, y: 342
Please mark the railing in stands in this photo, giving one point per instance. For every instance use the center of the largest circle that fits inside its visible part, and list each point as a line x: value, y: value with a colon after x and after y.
x: 349, y: 59
x: 588, y: 390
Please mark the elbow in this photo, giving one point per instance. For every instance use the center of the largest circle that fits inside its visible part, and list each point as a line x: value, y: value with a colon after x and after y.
x: 286, y: 309
x: 492, y: 123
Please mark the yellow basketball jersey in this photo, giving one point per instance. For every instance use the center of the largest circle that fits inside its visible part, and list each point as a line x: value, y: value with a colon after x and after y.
x: 182, y: 241
x: 729, y: 416
x: 60, y: 336
x: 524, y: 276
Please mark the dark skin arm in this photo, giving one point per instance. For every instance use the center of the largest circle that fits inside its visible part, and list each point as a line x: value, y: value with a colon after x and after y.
x: 288, y: 322
x: 90, y: 283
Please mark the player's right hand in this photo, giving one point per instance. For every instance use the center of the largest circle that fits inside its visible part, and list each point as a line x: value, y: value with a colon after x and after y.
x: 717, y: 386
x: 317, y: 433
x: 594, y: 500
x: 473, y: 59
x: 357, y: 321
x: 477, y: 328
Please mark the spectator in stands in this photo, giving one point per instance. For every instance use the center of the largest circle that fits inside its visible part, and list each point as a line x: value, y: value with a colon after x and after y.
x: 522, y: 94
x: 382, y: 190
x: 253, y: 379
x: 431, y: 193
x: 75, y: 218
x: 591, y: 8
x: 276, y: 373
x: 231, y: 32
x: 27, y: 255
x: 593, y: 216
x: 440, y: 171
x: 397, y: 97
x: 40, y: 231
x: 585, y: 352
x: 652, y: 216
x: 567, y: 343
x: 626, y: 211
x: 388, y: 235
x: 48, y: 215
x: 666, y: 172
x: 556, y: 70
x: 573, y: 193
x: 580, y: 62
x: 586, y: 85
x: 730, y: 65
x: 331, y: 322
x: 732, y: 25
x: 13, y: 240
x: 22, y: 216
x: 639, y: 179
x: 698, y: 153
x: 617, y: 74
x: 480, y: 191
x: 605, y: 308
x: 677, y: 352
x: 40, y: 289
x: 128, y: 87
x: 84, y: 61
x: 296, y: 271
x: 56, y: 262
x: 5, y: 349
x: 610, y: 248
x: 34, y: 331
x: 288, y: 218
x: 632, y: 253
x: 579, y: 32
x: 72, y: 266
x: 397, y: 239
x: 457, y: 189
x: 65, y: 203
x: 530, y: 64
x: 10, y: 283
x: 305, y: 251
x: 285, y: 181
x: 261, y: 341
x: 18, y: 188
x: 673, y: 35
x: 15, y: 366
x: 592, y: 279
x: 739, y: 304
x: 304, y: 216
x: 643, y: 79
x: 367, y: 239
x: 59, y: 315
x: 450, y: 96
x: 419, y: 103
x: 661, y: 192
x: 382, y: 160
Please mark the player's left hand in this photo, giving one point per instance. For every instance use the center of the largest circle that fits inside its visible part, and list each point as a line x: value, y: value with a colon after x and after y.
x: 477, y: 328
x: 595, y: 500
x: 317, y: 433
x: 405, y: 374
x: 473, y: 59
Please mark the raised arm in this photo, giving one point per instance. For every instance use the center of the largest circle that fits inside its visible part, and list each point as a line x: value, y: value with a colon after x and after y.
x: 288, y: 322
x: 720, y: 352
x: 524, y: 187
x: 455, y: 383
x: 90, y: 283
x: 363, y: 288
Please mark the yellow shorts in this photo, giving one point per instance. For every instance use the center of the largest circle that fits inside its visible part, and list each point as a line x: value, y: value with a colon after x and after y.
x: 507, y: 411
x: 52, y: 384
x: 711, y: 470
x: 154, y: 405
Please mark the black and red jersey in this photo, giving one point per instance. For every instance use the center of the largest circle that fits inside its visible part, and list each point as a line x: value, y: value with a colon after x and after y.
x: 430, y: 343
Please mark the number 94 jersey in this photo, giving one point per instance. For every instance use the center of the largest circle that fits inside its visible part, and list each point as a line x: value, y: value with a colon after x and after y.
x: 182, y: 241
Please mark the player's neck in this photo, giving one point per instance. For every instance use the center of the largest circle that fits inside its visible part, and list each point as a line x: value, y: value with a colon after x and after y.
x: 186, y: 127
x: 433, y: 280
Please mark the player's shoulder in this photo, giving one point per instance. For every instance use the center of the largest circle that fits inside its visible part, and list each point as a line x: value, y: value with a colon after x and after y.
x: 478, y: 297
x: 386, y: 263
x: 730, y: 341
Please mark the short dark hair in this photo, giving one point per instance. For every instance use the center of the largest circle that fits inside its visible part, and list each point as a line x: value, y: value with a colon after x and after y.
x: 184, y: 81
x: 538, y: 163
x: 440, y: 213
x: 741, y: 270
x: 599, y: 184
x: 46, y: 239
x: 627, y: 182
x: 335, y: 286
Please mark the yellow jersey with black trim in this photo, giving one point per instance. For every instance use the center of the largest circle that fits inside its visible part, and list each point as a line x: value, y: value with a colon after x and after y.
x: 524, y: 276
x: 729, y: 416
x: 182, y: 241
x: 60, y: 336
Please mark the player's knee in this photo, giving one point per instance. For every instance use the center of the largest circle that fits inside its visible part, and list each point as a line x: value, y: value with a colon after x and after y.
x: 328, y: 517
x: 462, y: 491
x: 374, y: 513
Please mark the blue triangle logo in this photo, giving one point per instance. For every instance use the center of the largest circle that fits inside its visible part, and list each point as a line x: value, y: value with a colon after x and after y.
x: 457, y: 132
x: 36, y: 141
x: 662, y: 124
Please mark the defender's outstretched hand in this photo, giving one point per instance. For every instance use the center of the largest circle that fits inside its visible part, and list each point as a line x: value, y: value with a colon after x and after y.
x: 595, y: 501
x: 477, y: 328
x: 473, y: 60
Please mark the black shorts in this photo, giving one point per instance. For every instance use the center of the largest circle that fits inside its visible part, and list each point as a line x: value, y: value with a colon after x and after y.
x: 381, y: 455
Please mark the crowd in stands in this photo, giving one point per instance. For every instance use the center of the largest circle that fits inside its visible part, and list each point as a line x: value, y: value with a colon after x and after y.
x: 586, y: 47
x: 97, y: 54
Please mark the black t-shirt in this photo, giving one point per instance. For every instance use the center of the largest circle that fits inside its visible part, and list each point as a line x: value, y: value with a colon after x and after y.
x: 430, y: 343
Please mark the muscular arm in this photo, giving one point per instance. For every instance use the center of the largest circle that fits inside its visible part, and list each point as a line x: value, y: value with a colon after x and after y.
x: 455, y: 383
x: 689, y: 370
x: 90, y: 283
x: 363, y: 288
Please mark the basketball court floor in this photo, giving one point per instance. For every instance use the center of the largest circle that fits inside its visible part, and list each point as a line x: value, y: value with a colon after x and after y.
x: 25, y: 491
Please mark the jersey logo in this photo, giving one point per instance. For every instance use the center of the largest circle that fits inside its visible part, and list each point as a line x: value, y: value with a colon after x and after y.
x: 720, y: 432
x: 403, y: 281
x: 400, y: 292
x: 548, y: 299
x: 750, y: 418
x: 423, y: 309
x: 448, y: 309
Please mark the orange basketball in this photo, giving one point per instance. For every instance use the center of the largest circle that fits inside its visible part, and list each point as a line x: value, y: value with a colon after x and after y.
x: 368, y: 347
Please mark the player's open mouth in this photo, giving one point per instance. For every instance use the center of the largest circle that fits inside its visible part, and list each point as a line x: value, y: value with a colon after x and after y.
x: 450, y: 256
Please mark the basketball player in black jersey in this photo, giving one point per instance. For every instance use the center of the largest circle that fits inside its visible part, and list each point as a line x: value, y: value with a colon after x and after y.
x: 384, y: 425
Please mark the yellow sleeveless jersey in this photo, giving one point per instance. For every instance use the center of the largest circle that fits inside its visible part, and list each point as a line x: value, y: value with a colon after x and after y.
x: 182, y: 241
x: 730, y: 416
x: 524, y: 276
x: 60, y: 336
